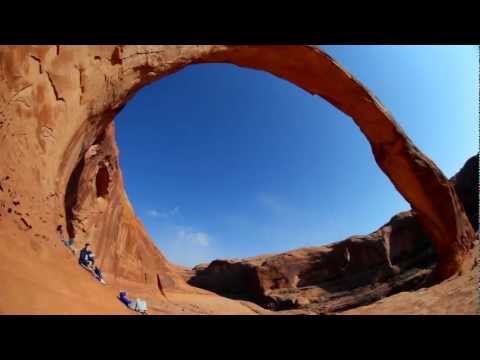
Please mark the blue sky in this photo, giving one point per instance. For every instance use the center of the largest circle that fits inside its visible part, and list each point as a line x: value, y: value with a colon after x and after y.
x: 225, y: 162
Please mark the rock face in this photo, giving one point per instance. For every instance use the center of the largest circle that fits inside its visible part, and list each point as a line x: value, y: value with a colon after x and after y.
x: 59, y: 161
x: 98, y: 211
x: 466, y: 186
x: 457, y: 295
x: 347, y: 274
x: 339, y: 276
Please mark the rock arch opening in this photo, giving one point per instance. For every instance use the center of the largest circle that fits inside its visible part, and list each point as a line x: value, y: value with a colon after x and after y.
x: 413, y: 174
x: 151, y: 151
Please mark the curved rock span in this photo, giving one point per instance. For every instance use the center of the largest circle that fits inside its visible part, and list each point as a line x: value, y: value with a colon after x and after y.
x: 59, y: 158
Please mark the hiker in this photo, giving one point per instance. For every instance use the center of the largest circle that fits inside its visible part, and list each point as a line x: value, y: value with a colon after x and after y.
x: 68, y: 243
x: 136, y: 305
x: 87, y: 257
x: 87, y: 261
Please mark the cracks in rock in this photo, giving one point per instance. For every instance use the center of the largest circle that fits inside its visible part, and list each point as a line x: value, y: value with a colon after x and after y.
x: 81, y: 84
x: 142, y: 53
x: 58, y: 98
x: 80, y: 77
x: 39, y: 63
x: 27, y: 225
x: 58, y: 50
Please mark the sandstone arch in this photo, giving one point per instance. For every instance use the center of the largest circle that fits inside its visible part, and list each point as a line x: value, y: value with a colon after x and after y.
x: 59, y: 107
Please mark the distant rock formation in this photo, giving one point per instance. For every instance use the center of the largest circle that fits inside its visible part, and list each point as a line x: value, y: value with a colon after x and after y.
x: 335, y: 277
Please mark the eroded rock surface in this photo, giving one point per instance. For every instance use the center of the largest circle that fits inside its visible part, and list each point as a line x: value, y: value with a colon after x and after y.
x: 342, y: 275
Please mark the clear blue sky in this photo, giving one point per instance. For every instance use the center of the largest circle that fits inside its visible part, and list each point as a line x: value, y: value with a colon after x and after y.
x: 225, y: 162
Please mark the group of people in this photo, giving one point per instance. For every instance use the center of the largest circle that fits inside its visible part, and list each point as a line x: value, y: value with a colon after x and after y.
x: 87, y: 261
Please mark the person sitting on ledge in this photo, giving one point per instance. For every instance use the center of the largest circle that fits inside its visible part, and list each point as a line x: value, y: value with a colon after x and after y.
x: 86, y: 258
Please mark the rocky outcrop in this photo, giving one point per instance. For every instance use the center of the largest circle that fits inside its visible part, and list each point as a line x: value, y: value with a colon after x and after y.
x: 457, y: 295
x: 466, y: 186
x: 342, y: 275
x: 59, y: 163
x: 98, y: 211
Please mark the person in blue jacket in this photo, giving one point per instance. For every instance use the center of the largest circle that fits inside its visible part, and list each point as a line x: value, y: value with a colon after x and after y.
x: 123, y: 298
x: 86, y: 258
